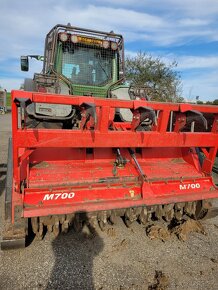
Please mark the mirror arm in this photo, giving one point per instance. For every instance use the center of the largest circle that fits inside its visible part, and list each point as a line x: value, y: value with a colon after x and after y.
x: 38, y: 57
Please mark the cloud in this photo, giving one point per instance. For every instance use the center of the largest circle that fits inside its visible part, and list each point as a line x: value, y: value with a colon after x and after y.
x: 11, y: 83
x: 113, y: 18
x: 201, y: 84
x: 199, y: 75
x: 188, y: 7
x: 146, y: 25
x: 193, y: 22
x: 190, y: 62
x: 131, y: 54
x: 141, y: 25
x: 12, y: 77
x: 200, y: 8
x: 25, y: 31
x: 185, y: 62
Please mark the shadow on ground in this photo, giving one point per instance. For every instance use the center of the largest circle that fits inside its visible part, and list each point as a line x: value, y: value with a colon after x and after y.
x: 74, y: 254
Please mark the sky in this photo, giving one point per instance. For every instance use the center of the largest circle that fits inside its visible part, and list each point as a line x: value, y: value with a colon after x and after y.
x: 185, y: 31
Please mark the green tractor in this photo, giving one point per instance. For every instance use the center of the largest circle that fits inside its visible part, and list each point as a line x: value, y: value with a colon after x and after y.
x: 80, y: 62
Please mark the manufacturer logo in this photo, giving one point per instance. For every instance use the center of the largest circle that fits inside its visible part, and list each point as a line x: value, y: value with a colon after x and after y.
x: 55, y: 196
x: 189, y: 186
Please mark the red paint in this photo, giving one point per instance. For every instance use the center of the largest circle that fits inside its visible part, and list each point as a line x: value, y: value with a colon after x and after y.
x: 53, y: 161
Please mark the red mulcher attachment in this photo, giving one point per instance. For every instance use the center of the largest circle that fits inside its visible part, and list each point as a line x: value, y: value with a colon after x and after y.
x: 106, y: 166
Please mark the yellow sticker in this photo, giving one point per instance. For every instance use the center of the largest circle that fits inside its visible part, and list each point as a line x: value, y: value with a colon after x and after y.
x: 88, y: 40
x: 132, y: 193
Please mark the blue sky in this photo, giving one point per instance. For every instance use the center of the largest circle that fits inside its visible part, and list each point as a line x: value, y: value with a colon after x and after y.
x: 185, y: 31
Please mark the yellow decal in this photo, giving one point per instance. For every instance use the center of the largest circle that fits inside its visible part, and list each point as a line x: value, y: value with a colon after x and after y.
x: 88, y: 40
x: 132, y: 193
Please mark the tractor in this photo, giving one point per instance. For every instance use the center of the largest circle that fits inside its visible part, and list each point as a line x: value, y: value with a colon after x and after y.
x: 86, y: 148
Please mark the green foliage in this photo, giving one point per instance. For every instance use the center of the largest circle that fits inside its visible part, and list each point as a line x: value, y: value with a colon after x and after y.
x: 163, y: 83
x: 8, y: 99
x: 215, y: 102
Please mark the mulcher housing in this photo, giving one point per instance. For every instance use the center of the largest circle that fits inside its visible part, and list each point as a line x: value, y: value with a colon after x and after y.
x: 60, y: 172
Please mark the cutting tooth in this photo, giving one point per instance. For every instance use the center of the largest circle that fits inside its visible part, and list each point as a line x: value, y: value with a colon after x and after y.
x: 93, y: 222
x: 35, y: 224
x: 143, y: 216
x: 130, y: 216
x: 113, y: 217
x: 169, y: 212
x: 159, y: 212
x: 50, y: 228
x: 62, y: 223
x: 149, y: 214
x: 194, y: 205
x: 65, y: 227
x: 127, y: 222
x: 102, y: 219
x: 56, y: 227
x: 39, y: 234
x: 179, y: 207
x: 102, y: 225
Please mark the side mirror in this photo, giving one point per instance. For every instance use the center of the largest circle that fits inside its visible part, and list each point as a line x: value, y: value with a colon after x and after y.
x: 24, y: 63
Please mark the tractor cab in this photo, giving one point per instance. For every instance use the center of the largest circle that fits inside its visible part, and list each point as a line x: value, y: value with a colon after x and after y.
x: 80, y: 62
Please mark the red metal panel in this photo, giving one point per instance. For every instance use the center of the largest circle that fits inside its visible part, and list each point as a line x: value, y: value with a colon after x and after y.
x: 42, y: 202
x: 114, y: 103
x: 56, y: 162
x: 67, y: 138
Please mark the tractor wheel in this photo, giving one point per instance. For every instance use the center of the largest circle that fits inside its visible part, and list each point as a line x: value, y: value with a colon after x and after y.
x: 29, y: 85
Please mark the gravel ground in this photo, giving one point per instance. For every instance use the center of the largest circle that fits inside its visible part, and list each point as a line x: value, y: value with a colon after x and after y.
x: 118, y: 258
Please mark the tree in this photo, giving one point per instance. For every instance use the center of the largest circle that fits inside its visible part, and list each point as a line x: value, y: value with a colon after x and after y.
x: 215, y: 102
x: 163, y: 83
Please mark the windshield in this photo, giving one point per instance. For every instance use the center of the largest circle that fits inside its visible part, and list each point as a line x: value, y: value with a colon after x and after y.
x: 87, y: 66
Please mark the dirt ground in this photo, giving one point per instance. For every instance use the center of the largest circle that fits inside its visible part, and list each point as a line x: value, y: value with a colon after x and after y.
x: 118, y: 258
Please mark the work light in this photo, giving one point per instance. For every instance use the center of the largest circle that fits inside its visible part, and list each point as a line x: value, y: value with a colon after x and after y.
x: 105, y: 44
x: 114, y: 45
x: 63, y: 36
x: 74, y: 38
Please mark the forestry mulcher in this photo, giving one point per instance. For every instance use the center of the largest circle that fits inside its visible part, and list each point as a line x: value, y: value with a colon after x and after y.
x: 86, y: 148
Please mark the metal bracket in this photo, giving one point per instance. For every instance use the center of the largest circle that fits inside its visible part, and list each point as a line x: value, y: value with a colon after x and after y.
x: 190, y: 117
x: 89, y: 116
x: 143, y: 114
x: 120, y: 162
x: 197, y: 117
x: 22, y: 103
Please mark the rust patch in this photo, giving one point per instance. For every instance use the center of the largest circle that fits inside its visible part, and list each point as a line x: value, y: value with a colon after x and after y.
x: 42, y: 164
x: 177, y: 160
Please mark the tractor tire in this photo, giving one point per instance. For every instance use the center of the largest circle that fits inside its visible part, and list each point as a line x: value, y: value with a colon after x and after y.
x: 29, y: 85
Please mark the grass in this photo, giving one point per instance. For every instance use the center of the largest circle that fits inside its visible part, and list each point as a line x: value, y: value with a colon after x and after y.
x: 8, y: 99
